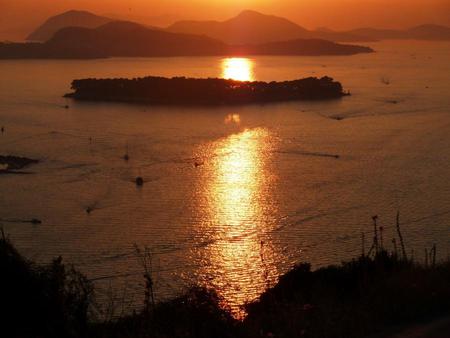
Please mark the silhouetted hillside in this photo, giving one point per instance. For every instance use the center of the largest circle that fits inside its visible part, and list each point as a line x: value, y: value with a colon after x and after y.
x: 114, y: 39
x: 128, y: 39
x: 68, y: 19
x: 253, y: 27
x: 249, y: 27
x: 371, y: 296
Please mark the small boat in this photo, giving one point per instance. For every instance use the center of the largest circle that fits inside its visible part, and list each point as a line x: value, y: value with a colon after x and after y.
x: 139, y: 181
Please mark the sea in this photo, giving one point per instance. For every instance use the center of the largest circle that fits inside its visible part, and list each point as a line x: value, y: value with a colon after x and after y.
x: 233, y: 197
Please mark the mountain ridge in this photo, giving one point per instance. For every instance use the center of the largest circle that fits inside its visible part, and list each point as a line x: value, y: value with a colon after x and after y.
x: 253, y: 27
x: 250, y: 26
x: 72, y: 18
x: 128, y: 39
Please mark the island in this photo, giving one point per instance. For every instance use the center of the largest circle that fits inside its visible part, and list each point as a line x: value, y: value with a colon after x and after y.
x: 211, y: 91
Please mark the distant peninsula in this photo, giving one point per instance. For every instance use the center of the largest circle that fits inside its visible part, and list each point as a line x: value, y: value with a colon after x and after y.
x: 127, y: 39
x: 212, y: 91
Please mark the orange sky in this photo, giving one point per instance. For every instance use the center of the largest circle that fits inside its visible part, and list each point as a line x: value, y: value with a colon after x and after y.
x: 18, y: 17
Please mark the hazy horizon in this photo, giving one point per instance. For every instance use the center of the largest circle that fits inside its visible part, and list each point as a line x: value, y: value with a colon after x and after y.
x: 21, y: 17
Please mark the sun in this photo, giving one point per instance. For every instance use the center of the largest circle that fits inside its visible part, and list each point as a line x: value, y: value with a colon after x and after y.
x: 240, y: 69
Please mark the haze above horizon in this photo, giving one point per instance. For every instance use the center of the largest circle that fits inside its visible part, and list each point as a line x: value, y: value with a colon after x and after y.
x: 20, y: 17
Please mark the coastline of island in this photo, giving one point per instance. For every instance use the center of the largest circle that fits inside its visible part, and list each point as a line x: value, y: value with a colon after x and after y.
x: 197, y: 91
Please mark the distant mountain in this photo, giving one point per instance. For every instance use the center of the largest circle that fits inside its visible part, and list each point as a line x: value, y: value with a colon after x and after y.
x: 430, y: 32
x: 117, y: 38
x: 129, y: 39
x: 253, y: 27
x: 339, y: 36
x: 249, y: 27
x: 123, y: 38
x: 423, y: 32
x: 68, y: 19
x: 379, y: 34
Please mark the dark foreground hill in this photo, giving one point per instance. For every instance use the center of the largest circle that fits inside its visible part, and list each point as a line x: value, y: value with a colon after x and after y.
x: 185, y: 91
x: 68, y: 19
x: 128, y: 39
x: 373, y: 294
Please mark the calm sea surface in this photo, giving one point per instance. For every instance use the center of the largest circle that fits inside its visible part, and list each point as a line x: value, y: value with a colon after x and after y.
x: 234, y: 196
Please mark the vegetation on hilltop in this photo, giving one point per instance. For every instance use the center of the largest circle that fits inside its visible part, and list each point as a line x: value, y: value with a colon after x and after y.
x: 368, y: 295
x: 51, y: 300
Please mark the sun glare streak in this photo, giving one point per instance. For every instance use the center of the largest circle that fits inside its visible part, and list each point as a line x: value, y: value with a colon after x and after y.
x: 240, y: 69
x: 239, y: 266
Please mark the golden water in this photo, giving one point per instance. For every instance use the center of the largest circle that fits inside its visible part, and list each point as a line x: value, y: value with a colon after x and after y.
x: 234, y: 196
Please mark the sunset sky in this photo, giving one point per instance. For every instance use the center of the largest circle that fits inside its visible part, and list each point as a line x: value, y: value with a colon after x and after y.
x: 18, y: 17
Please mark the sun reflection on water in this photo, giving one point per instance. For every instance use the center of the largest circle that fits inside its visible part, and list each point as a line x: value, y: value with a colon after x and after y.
x: 232, y: 118
x: 239, y: 260
x: 240, y: 69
